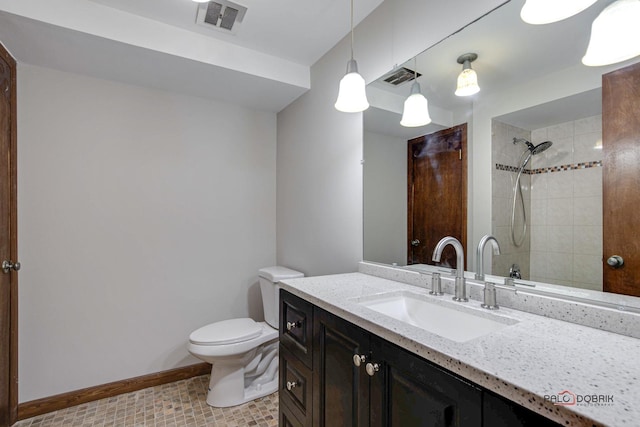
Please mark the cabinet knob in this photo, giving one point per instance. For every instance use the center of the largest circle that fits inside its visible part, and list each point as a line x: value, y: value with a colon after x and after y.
x: 372, y: 368
x: 291, y: 385
x: 358, y: 359
x: 292, y: 325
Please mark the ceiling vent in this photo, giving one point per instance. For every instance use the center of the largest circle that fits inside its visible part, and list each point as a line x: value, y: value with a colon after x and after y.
x: 222, y: 15
x: 399, y: 76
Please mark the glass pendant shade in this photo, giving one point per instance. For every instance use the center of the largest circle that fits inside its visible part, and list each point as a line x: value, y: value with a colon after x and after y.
x: 615, y: 34
x: 416, y: 109
x: 467, y: 83
x: 546, y: 11
x: 352, y: 97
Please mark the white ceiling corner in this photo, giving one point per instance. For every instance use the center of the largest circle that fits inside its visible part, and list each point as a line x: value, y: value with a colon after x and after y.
x: 157, y: 43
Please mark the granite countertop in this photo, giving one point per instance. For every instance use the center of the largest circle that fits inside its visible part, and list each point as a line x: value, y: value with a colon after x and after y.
x: 533, y: 358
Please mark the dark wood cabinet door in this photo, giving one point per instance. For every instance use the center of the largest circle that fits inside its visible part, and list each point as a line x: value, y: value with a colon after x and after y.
x: 409, y: 391
x: 341, y: 390
x: 500, y: 412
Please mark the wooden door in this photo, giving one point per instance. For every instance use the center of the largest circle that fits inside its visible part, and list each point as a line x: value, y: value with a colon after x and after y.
x: 621, y: 178
x: 340, y: 389
x: 8, y: 242
x: 437, y: 194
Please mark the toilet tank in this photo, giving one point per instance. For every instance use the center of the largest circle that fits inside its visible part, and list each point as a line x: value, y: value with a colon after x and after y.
x: 269, y: 279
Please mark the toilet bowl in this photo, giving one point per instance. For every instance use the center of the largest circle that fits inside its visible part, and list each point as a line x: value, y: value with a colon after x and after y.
x: 243, y: 352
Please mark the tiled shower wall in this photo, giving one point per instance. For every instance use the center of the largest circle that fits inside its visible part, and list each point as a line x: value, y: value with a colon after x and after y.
x: 566, y: 205
x: 563, y: 199
x: 505, y: 153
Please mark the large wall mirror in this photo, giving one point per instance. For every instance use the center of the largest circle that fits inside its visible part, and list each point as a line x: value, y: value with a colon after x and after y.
x: 534, y: 89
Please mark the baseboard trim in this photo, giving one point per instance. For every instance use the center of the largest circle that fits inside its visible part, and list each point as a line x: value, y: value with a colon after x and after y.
x: 89, y: 394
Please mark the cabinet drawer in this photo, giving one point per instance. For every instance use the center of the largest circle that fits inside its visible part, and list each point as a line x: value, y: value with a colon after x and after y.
x: 296, y: 326
x: 286, y: 418
x: 295, y: 390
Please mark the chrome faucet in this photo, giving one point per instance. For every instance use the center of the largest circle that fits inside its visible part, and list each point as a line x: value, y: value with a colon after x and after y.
x: 480, y: 254
x: 460, y: 288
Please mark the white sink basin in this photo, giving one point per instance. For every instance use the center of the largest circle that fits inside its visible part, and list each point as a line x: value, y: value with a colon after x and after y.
x: 447, y: 319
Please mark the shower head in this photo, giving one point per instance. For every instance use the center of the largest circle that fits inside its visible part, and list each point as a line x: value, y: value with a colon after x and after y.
x: 541, y: 147
x: 535, y: 149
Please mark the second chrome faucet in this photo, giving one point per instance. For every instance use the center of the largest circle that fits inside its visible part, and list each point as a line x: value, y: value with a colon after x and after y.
x: 480, y: 254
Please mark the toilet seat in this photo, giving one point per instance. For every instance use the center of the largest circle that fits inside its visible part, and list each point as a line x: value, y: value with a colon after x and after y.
x: 229, y: 331
x: 208, y: 349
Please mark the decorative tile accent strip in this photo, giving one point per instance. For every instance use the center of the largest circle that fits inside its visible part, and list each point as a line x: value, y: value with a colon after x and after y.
x: 561, y: 168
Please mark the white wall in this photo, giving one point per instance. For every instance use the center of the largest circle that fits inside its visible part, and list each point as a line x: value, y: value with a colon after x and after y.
x: 319, y: 178
x: 142, y: 216
x: 385, y: 199
x: 319, y: 196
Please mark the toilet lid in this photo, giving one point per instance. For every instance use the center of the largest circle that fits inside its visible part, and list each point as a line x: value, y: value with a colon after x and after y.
x: 226, y: 332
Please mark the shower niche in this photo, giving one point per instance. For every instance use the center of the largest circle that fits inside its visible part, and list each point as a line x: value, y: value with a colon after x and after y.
x: 554, y: 234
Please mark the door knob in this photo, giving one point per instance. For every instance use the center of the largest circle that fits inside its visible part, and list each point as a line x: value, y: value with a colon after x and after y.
x: 415, y: 242
x: 291, y: 385
x: 615, y: 261
x: 7, y: 266
x: 372, y: 368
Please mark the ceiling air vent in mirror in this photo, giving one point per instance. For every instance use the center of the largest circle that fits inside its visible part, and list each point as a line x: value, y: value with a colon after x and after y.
x: 399, y: 76
x: 221, y: 15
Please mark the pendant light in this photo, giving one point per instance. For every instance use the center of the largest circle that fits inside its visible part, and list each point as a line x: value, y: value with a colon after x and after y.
x: 547, y: 11
x: 416, y: 106
x: 615, y: 34
x: 352, y: 97
x: 467, y: 79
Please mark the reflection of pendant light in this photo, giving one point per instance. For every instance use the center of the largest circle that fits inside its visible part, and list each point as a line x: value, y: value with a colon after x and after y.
x: 416, y: 106
x: 468, y: 79
x: 547, y: 11
x: 352, y: 97
x: 615, y: 34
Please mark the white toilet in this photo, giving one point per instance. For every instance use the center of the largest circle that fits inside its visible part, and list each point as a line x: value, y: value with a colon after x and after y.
x: 243, y: 352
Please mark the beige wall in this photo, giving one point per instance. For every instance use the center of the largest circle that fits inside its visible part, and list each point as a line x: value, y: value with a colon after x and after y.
x: 143, y: 215
x: 385, y: 199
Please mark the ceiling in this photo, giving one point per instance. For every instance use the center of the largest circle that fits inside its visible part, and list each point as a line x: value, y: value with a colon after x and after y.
x: 510, y: 53
x: 157, y: 43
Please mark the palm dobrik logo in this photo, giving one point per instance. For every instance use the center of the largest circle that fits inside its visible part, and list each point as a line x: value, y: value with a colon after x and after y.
x: 567, y: 398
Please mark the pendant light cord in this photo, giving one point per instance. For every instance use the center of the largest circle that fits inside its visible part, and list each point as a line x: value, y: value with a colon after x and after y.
x: 351, y: 29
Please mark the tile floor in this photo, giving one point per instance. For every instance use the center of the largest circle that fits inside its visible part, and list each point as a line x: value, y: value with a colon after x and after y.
x: 182, y: 403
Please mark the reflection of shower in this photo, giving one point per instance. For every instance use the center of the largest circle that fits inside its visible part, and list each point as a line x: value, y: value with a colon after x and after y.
x: 517, y: 189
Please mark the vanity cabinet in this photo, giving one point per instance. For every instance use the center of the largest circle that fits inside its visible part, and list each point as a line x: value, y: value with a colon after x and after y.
x: 390, y: 387
x: 334, y: 373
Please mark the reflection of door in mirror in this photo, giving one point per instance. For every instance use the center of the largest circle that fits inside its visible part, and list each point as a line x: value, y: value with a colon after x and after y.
x: 621, y: 179
x: 437, y: 194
